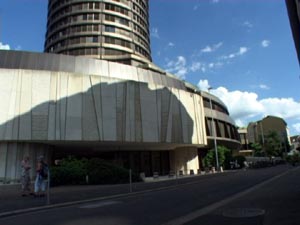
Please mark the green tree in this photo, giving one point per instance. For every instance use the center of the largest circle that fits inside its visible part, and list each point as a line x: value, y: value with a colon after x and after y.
x: 258, y: 151
x: 272, y: 144
x: 223, y: 154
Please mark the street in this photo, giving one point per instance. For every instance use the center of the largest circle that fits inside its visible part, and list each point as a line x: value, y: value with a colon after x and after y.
x: 278, y: 197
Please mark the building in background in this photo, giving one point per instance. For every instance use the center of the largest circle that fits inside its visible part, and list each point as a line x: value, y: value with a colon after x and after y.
x: 295, y: 144
x: 245, y: 147
x: 79, y: 98
x: 258, y: 131
x: 293, y: 8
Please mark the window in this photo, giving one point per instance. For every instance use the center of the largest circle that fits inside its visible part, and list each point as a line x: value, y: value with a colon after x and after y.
x: 110, y: 29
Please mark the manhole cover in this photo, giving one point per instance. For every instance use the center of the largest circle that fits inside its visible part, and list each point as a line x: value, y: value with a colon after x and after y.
x: 243, y: 212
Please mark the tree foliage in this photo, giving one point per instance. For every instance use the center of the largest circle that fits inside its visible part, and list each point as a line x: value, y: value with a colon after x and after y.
x: 224, y: 155
x: 258, y: 150
x: 272, y: 144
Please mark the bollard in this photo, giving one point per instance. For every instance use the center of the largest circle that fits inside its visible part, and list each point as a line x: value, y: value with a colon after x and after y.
x: 48, y: 188
x: 130, y: 181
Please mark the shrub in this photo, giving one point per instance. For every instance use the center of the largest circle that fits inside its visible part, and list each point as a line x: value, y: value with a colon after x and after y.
x: 102, y: 172
x: 69, y: 171
x: 72, y: 171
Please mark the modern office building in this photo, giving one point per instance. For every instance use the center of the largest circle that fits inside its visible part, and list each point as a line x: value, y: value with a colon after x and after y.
x: 115, y: 30
x: 70, y: 101
x: 293, y: 8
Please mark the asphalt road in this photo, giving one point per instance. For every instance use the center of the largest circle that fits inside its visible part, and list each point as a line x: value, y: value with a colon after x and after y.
x: 161, y: 207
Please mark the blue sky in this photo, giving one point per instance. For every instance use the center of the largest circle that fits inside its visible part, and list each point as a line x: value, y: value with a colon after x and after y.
x: 242, y: 48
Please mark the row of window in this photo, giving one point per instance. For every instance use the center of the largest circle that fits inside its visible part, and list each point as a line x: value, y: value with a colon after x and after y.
x: 93, y: 28
x: 116, y: 8
x: 117, y: 41
x: 116, y: 19
x: 142, y: 4
x: 139, y: 20
x: 139, y: 10
x: 223, y: 129
x: 113, y: 29
x: 83, y: 51
x: 216, y: 106
x: 75, y: 40
x: 76, y: 7
x: 88, y: 17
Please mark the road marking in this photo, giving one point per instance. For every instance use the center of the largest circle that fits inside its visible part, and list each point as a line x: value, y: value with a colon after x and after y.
x: 203, y: 211
x: 99, y: 204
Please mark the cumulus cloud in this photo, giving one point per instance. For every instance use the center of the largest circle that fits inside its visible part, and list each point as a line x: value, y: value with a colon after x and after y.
x: 240, y: 52
x: 246, y: 106
x: 263, y: 86
x: 296, y: 126
x: 247, y: 24
x: 212, y: 48
x: 178, y: 67
x: 265, y: 43
x: 154, y: 32
x: 195, y: 66
x: 4, y: 46
x: 171, y: 44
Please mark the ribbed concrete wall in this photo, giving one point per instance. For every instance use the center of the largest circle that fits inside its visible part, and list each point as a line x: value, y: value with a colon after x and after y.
x: 61, y: 106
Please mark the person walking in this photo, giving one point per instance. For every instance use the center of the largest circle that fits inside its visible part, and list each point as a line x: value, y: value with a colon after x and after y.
x: 41, y: 177
x: 25, y: 176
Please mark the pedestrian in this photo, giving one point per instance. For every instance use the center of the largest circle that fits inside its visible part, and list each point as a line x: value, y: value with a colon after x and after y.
x: 25, y: 176
x: 41, y: 177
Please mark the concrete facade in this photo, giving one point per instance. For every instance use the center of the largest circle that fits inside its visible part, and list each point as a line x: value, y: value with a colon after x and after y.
x: 103, y: 105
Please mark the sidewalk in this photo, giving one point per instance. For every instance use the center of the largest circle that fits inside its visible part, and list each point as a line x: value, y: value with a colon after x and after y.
x: 11, y: 199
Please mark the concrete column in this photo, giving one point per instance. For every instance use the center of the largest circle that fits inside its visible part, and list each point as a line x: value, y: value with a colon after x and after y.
x: 184, y: 159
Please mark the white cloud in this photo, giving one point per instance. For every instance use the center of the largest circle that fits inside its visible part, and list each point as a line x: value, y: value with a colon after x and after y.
x: 241, y: 52
x: 195, y: 66
x: 247, y: 24
x: 296, y: 126
x: 245, y: 106
x: 203, y: 85
x: 212, y: 48
x: 286, y: 108
x: 154, y: 32
x: 4, y: 46
x: 265, y: 43
x: 215, y: 1
x: 178, y: 67
x: 171, y: 44
x: 263, y: 86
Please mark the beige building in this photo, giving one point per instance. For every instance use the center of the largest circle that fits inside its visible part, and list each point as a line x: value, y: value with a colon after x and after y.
x: 80, y: 98
x: 258, y: 131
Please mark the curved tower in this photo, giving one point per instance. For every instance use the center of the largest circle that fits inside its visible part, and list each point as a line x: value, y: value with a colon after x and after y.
x: 115, y: 30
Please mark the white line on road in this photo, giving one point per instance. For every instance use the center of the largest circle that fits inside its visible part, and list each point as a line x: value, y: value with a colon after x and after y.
x: 99, y: 204
x: 203, y: 211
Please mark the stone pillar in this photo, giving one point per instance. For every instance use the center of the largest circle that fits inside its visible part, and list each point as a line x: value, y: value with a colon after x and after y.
x: 184, y: 159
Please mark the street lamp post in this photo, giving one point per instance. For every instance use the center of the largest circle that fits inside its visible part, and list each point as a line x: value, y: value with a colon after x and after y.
x: 214, y: 132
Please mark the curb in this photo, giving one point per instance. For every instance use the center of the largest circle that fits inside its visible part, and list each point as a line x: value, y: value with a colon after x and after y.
x: 66, y: 204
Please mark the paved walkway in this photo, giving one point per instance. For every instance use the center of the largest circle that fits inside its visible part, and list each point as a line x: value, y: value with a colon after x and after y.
x: 12, y: 201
